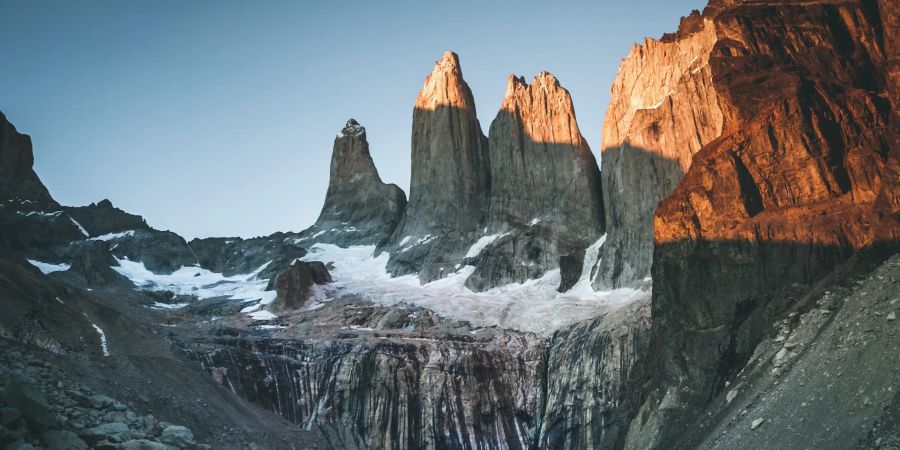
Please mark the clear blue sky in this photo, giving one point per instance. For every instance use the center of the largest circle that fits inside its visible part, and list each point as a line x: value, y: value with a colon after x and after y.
x: 216, y: 118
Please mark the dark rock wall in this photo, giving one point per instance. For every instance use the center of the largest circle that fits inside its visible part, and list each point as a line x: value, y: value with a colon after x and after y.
x: 450, y: 177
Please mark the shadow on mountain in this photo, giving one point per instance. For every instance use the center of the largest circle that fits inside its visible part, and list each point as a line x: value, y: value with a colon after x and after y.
x: 546, y: 195
x: 635, y: 180
x: 713, y: 302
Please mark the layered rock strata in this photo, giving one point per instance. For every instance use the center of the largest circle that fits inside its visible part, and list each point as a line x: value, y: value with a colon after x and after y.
x: 359, y: 208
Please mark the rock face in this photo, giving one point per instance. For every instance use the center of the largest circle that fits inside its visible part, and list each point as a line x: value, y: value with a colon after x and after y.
x: 17, y: 178
x: 545, y: 196
x: 359, y: 208
x: 805, y: 175
x: 104, y: 218
x: 450, y: 178
x: 293, y: 285
x: 589, y: 366
x: 389, y: 378
x: 664, y: 107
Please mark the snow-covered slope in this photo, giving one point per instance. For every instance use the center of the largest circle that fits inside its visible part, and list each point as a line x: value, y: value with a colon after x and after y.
x: 534, y: 305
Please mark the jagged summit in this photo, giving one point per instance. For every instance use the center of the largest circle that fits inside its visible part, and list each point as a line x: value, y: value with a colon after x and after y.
x: 445, y: 86
x: 448, y: 62
x: 353, y: 128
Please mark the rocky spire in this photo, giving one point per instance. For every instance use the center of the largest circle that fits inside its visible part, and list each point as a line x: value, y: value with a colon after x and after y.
x: 17, y: 178
x: 450, y: 180
x: 541, y: 166
x: 545, y: 185
x: 359, y: 208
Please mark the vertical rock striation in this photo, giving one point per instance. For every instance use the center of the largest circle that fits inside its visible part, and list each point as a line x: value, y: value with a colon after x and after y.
x: 359, y: 208
x: 545, y: 198
x: 589, y: 367
x: 664, y: 107
x: 805, y: 175
x: 450, y: 180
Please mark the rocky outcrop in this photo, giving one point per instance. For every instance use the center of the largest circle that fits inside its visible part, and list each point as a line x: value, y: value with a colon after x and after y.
x: 664, y: 107
x: 545, y: 186
x: 450, y: 178
x: 17, y: 178
x: 359, y: 208
x: 293, y: 286
x: 104, y: 218
x: 804, y: 176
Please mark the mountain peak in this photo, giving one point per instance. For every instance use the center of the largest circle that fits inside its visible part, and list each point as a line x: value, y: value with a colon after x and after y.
x: 352, y: 129
x: 445, y: 86
x: 448, y: 62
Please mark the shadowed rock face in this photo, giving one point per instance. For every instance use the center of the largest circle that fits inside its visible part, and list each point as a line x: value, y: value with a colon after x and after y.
x: 103, y: 218
x: 805, y: 175
x: 17, y: 178
x: 359, y: 208
x: 450, y: 181
x: 545, y: 185
x: 664, y: 107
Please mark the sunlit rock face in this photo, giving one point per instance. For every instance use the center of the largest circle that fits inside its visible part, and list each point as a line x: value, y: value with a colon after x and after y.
x: 545, y: 193
x: 450, y: 179
x: 804, y: 175
x: 664, y: 107
x: 359, y: 208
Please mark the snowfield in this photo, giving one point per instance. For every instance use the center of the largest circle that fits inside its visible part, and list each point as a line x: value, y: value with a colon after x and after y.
x: 199, y: 282
x: 533, y: 306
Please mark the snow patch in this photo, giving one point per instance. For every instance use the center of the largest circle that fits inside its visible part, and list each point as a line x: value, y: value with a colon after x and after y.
x: 160, y: 305
x: 112, y: 236
x: 200, y: 283
x: 533, y: 305
x: 262, y: 315
x: 482, y: 243
x: 49, y: 268
x: 103, y: 345
x: 78, y: 225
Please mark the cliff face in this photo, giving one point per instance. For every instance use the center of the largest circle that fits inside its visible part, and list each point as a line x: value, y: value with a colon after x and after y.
x: 390, y: 378
x: 663, y: 108
x: 545, y: 193
x: 450, y: 177
x: 17, y: 178
x: 804, y: 175
x: 359, y: 208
